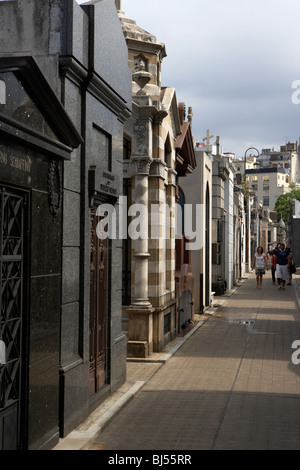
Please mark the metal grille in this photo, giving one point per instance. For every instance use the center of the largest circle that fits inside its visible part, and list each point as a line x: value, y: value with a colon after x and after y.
x: 167, y: 323
x: 11, y: 285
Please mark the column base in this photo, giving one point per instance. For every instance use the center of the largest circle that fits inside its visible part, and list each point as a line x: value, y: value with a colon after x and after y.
x: 140, y: 332
x: 140, y: 349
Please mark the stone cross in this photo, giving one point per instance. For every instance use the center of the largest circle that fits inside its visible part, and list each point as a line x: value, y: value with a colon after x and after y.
x: 207, y: 138
x: 218, y: 144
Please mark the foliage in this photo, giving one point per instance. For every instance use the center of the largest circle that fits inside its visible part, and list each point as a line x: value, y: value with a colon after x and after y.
x: 284, y: 205
x: 246, y: 189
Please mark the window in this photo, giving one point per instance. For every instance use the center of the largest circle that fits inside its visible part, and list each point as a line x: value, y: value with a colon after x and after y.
x: 168, y: 152
x: 126, y: 148
x: 266, y: 180
x: 254, y: 182
x: 167, y: 323
x: 266, y: 200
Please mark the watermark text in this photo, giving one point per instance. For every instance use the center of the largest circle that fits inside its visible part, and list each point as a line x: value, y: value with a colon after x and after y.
x: 296, y: 94
x: 158, y: 221
x: 2, y: 353
x: 296, y: 354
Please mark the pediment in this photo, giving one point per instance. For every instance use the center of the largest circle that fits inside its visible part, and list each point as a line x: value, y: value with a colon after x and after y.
x: 30, y: 110
x: 185, y: 148
x: 169, y: 103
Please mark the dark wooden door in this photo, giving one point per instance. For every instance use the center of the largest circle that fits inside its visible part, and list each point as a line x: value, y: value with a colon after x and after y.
x: 98, y: 307
x: 12, y: 321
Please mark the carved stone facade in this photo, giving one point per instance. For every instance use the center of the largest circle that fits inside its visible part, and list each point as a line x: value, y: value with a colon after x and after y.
x: 151, y: 314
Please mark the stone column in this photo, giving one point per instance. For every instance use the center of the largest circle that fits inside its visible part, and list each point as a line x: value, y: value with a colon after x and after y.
x: 141, y: 255
x: 140, y: 321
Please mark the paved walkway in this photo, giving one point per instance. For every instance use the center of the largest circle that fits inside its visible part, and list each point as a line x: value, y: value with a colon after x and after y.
x: 231, y: 384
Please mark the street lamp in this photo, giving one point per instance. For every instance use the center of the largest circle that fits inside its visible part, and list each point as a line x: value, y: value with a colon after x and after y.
x: 248, y: 218
x: 250, y: 148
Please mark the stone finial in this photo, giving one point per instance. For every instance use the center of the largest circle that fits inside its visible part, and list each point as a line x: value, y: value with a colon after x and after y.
x: 181, y: 109
x: 141, y: 77
x: 118, y: 4
x: 190, y: 115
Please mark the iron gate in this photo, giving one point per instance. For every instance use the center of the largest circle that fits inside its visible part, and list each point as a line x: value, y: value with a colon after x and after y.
x: 11, y: 308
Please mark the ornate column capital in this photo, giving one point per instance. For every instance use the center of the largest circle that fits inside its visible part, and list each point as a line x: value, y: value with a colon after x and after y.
x: 141, y: 165
x: 159, y: 168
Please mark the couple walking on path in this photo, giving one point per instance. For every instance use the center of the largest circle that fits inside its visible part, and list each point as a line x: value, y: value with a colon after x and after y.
x: 281, y: 260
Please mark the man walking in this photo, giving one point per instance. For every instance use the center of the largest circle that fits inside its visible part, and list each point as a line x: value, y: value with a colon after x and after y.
x: 282, y: 262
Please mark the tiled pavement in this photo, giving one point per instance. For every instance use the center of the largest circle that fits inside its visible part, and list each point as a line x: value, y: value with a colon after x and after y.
x: 231, y: 385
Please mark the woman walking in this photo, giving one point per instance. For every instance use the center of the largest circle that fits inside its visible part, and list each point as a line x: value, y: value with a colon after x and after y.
x: 273, y: 264
x: 260, y: 265
x: 291, y: 266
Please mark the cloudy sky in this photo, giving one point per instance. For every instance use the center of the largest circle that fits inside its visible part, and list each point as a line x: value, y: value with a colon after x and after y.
x: 234, y: 62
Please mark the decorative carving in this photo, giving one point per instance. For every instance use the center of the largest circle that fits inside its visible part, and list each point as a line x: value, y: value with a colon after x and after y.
x: 142, y: 165
x: 54, y: 188
x: 140, y: 75
x: 190, y: 115
x: 139, y: 64
x: 140, y: 134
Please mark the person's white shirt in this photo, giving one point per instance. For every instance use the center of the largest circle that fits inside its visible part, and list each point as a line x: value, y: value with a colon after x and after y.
x: 260, y: 259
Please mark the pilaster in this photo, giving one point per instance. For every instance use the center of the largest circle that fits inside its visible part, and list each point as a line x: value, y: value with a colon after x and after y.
x: 140, y: 339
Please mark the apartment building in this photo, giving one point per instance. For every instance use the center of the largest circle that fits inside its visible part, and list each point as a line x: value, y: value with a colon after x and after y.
x: 268, y: 184
x: 287, y: 157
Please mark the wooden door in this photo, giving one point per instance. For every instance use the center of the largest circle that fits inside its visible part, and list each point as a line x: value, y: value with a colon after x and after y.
x: 98, y: 308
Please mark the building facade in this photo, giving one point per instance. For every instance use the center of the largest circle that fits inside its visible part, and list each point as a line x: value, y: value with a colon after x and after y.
x: 220, y: 175
x: 286, y: 158
x: 268, y: 184
x: 62, y: 113
x: 197, y: 189
x: 158, y: 152
x: 185, y: 167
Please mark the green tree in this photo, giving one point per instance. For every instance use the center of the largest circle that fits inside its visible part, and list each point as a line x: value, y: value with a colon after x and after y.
x: 284, y: 205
